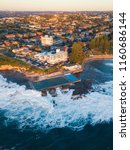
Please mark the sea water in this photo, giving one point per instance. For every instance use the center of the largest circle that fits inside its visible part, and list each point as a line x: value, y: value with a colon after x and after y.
x: 30, y: 121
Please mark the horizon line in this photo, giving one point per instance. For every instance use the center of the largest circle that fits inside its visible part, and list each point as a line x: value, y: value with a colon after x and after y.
x: 57, y: 10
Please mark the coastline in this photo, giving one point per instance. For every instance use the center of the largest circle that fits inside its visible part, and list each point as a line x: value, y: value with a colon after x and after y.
x: 21, y: 70
x: 40, y: 77
x: 98, y: 57
x: 30, y: 83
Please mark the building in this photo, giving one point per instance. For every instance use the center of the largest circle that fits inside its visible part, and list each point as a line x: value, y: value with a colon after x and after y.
x: 73, y: 68
x: 46, y: 40
x: 53, y: 58
x: 10, y: 36
x: 23, y: 52
x: 102, y: 34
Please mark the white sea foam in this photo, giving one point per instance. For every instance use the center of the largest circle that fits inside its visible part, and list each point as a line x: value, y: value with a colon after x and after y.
x: 99, y: 71
x: 109, y: 64
x: 29, y: 109
x: 106, y: 88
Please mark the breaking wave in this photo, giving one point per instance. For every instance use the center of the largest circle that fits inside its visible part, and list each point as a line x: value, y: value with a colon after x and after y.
x: 28, y: 109
x: 98, y: 71
x: 108, y: 64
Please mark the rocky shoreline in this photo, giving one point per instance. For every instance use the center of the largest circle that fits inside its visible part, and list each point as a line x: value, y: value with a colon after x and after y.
x: 32, y: 76
x: 78, y: 88
x: 16, y: 77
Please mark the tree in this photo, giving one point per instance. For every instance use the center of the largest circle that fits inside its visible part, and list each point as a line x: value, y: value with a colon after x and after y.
x: 106, y: 45
x: 101, y: 45
x: 97, y: 43
x: 92, y: 44
x: 77, y: 55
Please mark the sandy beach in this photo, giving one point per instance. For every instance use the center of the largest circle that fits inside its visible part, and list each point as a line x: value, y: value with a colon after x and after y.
x: 98, y: 57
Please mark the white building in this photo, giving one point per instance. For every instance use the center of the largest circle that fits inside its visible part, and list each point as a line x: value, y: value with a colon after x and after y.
x: 22, y: 52
x: 59, y: 56
x: 46, y: 40
x: 102, y: 34
x: 73, y: 67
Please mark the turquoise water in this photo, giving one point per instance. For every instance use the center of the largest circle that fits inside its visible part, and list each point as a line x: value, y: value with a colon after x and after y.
x: 71, y: 78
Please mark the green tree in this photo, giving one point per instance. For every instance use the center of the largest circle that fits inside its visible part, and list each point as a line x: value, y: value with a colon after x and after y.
x: 92, y: 44
x: 106, y: 45
x: 77, y: 55
x: 97, y: 43
x: 101, y: 45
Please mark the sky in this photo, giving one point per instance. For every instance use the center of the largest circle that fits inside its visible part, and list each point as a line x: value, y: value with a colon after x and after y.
x: 56, y: 5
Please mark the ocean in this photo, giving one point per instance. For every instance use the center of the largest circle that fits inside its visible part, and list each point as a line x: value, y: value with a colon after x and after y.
x: 29, y: 121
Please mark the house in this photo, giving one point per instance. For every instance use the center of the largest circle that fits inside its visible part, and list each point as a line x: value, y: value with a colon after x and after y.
x: 10, y: 36
x: 53, y: 58
x: 46, y: 40
x: 22, y: 52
